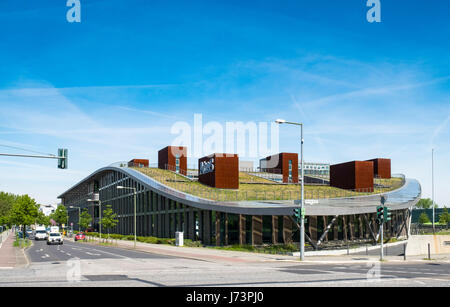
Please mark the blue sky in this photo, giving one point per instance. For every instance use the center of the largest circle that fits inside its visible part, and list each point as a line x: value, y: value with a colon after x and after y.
x: 111, y: 87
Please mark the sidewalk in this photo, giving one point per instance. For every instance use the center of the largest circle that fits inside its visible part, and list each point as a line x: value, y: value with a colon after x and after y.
x: 10, y: 256
x: 217, y: 255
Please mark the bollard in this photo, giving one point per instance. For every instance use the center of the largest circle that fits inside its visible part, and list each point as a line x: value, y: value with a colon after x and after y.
x: 429, y: 253
x: 367, y: 250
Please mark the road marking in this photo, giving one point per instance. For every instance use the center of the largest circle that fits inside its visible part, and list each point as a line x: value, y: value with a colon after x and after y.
x: 92, y: 254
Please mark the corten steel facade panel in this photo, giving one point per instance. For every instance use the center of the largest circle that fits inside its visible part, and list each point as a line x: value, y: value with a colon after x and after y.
x: 356, y: 175
x: 167, y: 158
x: 280, y: 164
x: 382, y: 168
x: 138, y: 163
x: 225, y: 172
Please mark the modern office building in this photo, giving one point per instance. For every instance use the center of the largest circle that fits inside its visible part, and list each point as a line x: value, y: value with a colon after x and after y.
x: 282, y: 163
x: 138, y: 163
x: 247, y: 215
x: 315, y: 169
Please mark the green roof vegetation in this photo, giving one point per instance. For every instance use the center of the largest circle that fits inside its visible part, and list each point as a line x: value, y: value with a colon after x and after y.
x: 256, y: 188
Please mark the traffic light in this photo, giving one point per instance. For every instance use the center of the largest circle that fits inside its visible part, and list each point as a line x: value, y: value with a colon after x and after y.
x: 297, y: 214
x: 62, y: 158
x: 380, y: 212
x: 387, y: 214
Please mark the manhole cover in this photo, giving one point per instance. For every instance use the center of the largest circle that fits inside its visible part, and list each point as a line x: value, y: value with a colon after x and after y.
x: 106, y: 277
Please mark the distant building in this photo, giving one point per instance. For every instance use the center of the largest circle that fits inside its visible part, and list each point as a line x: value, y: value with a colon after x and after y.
x: 138, y: 163
x: 315, y: 169
x: 245, y: 166
x: 47, y: 209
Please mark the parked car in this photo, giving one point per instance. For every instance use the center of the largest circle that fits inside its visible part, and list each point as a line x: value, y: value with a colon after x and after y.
x: 55, y: 238
x: 80, y: 236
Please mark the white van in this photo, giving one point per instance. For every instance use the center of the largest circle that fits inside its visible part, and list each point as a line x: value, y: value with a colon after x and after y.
x: 41, y: 233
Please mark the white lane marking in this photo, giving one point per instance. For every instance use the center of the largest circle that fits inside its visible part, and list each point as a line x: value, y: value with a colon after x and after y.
x: 92, y: 254
x: 108, y: 253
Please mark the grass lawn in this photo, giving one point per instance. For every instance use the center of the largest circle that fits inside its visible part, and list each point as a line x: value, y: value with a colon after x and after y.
x: 256, y: 188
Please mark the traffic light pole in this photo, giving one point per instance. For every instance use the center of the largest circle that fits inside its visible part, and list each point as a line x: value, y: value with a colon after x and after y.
x: 381, y: 236
x: 59, y: 157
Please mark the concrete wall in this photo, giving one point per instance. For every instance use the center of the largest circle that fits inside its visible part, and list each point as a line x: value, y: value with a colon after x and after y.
x: 418, y: 245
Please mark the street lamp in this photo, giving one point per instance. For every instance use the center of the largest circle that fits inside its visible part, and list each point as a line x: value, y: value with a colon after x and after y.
x: 432, y: 184
x: 79, y: 215
x: 100, y: 216
x: 134, y: 191
x: 302, y: 202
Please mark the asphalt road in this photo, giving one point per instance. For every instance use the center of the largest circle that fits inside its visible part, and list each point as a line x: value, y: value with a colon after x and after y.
x: 109, y: 266
x: 41, y: 252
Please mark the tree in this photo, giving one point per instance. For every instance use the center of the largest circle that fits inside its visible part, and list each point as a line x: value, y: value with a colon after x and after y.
x: 85, y: 219
x: 60, y: 215
x: 444, y: 218
x: 109, y: 218
x: 42, y: 219
x: 423, y: 218
x: 7, y: 201
x: 24, y: 211
x: 426, y: 203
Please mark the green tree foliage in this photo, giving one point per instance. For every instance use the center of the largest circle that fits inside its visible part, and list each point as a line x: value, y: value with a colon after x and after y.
x: 24, y: 211
x: 60, y: 215
x: 444, y: 218
x: 85, y: 219
x: 109, y: 218
x: 423, y: 218
x: 426, y: 203
x: 42, y: 219
x: 7, y: 201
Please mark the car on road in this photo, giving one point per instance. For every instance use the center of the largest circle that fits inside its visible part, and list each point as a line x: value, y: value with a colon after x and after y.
x: 40, y: 234
x: 80, y: 236
x: 54, y: 238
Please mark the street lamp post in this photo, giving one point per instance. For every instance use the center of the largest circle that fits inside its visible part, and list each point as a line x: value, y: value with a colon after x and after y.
x: 135, y: 193
x: 432, y: 184
x: 302, y: 202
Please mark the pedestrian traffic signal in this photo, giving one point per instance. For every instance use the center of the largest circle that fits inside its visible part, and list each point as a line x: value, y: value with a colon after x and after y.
x: 387, y: 214
x: 62, y: 158
x: 380, y: 212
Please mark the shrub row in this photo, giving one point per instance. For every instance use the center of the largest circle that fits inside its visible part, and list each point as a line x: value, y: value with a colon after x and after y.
x: 151, y: 240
